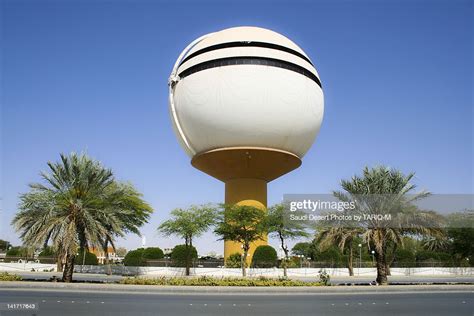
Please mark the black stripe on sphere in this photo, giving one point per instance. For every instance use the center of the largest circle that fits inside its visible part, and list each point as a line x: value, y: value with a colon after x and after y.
x: 250, y: 60
x: 246, y: 44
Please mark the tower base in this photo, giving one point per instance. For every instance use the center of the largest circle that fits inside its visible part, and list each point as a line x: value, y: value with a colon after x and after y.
x: 250, y: 192
x: 246, y: 172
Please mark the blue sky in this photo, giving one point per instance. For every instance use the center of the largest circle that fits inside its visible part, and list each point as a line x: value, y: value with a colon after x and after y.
x: 92, y: 76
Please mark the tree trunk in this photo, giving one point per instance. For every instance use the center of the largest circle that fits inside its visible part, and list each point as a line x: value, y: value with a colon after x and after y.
x: 59, y: 263
x: 68, y: 268
x: 381, y: 268
x: 285, y: 264
x: 391, y: 260
x: 349, y: 261
x: 244, y: 262
x: 106, y: 255
x: 387, y: 268
x: 188, y: 250
x: 285, y: 259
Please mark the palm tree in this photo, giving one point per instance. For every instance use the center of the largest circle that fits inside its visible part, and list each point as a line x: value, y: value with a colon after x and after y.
x: 436, y: 243
x: 343, y: 237
x: 75, y: 209
x: 384, y: 191
x: 188, y: 224
x: 133, y: 211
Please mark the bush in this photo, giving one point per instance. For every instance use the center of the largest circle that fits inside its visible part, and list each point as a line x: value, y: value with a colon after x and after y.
x: 134, y: 258
x: 5, y: 276
x: 17, y: 252
x: 47, y: 252
x: 331, y: 257
x: 234, y: 261
x: 324, y: 277
x: 153, y: 253
x: 302, y: 248
x: 210, y: 281
x: 179, y: 255
x: 264, y: 257
x: 404, y: 257
x: 138, y: 257
x: 90, y: 259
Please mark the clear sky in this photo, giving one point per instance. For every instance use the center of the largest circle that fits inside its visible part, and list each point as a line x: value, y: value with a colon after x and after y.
x: 92, y: 76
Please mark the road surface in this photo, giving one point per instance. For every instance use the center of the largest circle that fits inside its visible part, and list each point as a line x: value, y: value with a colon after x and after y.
x: 89, y: 302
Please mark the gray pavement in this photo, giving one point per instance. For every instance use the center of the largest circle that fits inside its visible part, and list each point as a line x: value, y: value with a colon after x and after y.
x: 95, y: 299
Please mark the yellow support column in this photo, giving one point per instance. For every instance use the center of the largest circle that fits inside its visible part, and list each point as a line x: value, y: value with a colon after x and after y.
x: 251, y: 192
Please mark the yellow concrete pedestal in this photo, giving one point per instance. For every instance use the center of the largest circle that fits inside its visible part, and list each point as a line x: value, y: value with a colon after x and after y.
x: 250, y: 192
x: 245, y: 172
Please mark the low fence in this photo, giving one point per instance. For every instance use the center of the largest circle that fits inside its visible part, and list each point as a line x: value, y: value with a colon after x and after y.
x: 228, y: 272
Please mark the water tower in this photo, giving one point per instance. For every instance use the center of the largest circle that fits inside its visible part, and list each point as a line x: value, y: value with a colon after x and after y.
x: 246, y: 105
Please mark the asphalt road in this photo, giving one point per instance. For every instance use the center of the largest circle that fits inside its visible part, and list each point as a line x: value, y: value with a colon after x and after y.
x: 80, y: 302
x: 334, y: 280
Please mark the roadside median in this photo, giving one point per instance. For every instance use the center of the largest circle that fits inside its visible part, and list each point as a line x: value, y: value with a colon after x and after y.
x: 168, y: 289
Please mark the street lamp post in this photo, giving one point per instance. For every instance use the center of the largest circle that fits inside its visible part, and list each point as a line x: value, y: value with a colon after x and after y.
x: 360, y: 258
x: 373, y: 257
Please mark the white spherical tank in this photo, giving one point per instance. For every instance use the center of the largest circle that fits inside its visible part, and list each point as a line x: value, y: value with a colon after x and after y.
x: 245, y: 87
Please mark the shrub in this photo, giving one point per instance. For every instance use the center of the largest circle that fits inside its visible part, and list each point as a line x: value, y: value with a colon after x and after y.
x: 234, y: 261
x: 134, y: 258
x: 47, y: 252
x: 179, y: 255
x: 210, y: 281
x: 5, y: 276
x: 17, y: 252
x: 302, y: 248
x: 264, y: 257
x: 90, y: 259
x: 404, y: 257
x: 153, y: 253
x: 324, y: 277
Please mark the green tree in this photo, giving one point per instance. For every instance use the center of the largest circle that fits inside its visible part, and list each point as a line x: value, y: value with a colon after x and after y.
x: 4, y: 245
x: 128, y: 206
x: 234, y: 261
x: 384, y: 191
x: 284, y: 229
x: 153, y: 253
x: 189, y: 224
x: 134, y: 258
x: 89, y: 258
x: 341, y: 236
x: 18, y: 252
x: 78, y: 206
x: 404, y: 257
x: 243, y: 224
x: 302, y: 249
x: 183, y: 255
x: 460, y: 232
x: 47, y: 254
x: 121, y: 251
x: 265, y: 256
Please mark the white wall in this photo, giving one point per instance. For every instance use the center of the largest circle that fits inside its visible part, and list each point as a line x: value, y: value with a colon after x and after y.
x: 221, y: 272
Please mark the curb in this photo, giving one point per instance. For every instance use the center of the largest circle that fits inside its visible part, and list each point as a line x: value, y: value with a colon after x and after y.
x: 150, y: 289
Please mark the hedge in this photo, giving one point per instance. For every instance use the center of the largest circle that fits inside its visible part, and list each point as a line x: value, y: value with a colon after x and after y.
x: 179, y: 255
x: 211, y: 281
x: 90, y: 259
x: 264, y: 257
